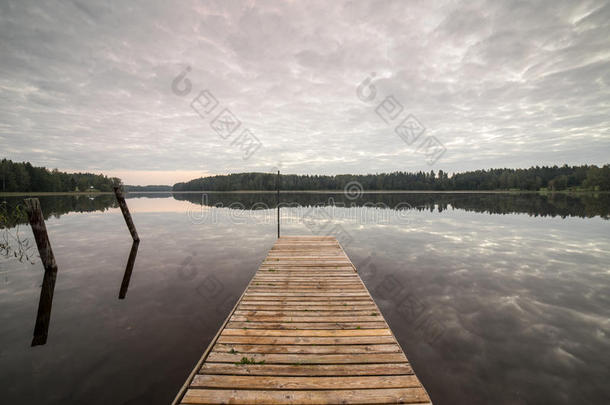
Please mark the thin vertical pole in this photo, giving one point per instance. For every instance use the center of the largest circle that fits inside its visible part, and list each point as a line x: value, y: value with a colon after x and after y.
x: 43, y: 318
x: 125, y: 210
x: 278, y: 204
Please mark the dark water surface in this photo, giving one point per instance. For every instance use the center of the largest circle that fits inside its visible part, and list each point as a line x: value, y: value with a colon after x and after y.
x: 495, y: 298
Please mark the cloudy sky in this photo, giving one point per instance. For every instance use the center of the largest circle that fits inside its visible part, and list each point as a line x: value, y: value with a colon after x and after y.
x: 93, y: 85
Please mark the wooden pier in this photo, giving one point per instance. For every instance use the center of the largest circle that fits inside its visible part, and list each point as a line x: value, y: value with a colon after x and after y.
x: 305, y: 331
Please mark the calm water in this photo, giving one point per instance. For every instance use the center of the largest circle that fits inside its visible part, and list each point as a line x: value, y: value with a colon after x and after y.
x: 496, y: 298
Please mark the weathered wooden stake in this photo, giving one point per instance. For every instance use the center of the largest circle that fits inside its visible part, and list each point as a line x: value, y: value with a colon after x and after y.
x: 127, y: 276
x: 278, y: 204
x: 126, y: 214
x: 45, y: 303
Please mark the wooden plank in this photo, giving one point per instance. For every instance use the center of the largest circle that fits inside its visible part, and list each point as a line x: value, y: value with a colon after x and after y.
x: 306, y: 294
x: 330, y: 276
x: 305, y: 272
x: 307, y: 281
x: 312, y: 349
x: 303, y: 383
x: 306, y: 325
x: 359, y: 358
x: 315, y: 299
x: 305, y: 318
x: 261, y: 397
x: 270, y: 306
x: 272, y: 284
x: 312, y: 332
x: 305, y: 331
x: 308, y: 312
x: 306, y: 340
x: 320, y: 265
x: 266, y: 287
x: 313, y: 303
x: 306, y: 369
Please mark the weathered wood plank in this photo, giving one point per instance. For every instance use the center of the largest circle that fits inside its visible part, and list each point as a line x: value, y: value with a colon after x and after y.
x: 271, y: 288
x: 306, y: 325
x: 275, y: 284
x: 282, y: 284
x: 309, y: 278
x: 305, y: 313
x: 304, y: 318
x: 260, y: 397
x: 307, y: 369
x: 312, y: 349
x: 311, y: 303
x: 315, y: 299
x: 312, y: 332
x: 306, y: 340
x: 306, y: 294
x: 270, y: 306
x: 306, y: 358
x: 303, y: 383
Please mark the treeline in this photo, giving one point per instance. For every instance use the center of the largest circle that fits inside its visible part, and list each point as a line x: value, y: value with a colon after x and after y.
x: 147, y: 188
x: 23, y: 177
x: 537, y: 178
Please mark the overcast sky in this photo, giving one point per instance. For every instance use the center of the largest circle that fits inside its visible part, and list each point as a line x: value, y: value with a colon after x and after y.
x: 87, y: 85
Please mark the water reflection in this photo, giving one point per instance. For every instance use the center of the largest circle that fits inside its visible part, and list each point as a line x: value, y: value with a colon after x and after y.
x: 563, y: 205
x: 45, y: 303
x: 56, y: 206
x: 127, y: 275
x: 500, y: 308
x: 43, y: 317
x: 584, y: 205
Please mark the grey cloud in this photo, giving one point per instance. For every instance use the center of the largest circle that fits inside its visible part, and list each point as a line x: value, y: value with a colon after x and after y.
x: 86, y: 85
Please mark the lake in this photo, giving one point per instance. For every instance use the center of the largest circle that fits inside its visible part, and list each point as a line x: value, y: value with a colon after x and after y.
x: 495, y: 298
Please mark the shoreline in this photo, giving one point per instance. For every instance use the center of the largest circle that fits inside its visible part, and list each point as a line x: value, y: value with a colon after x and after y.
x: 89, y: 194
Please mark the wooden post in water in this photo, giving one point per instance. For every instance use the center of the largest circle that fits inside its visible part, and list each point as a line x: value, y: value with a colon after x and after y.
x: 278, y: 204
x: 39, y: 229
x: 126, y: 214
